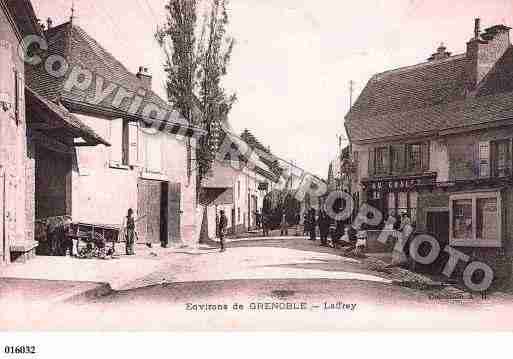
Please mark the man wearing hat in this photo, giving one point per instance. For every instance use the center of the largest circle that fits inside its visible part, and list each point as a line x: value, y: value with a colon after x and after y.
x: 223, y: 221
x: 130, y: 233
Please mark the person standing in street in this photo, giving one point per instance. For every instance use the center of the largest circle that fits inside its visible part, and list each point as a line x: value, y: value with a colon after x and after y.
x: 223, y: 221
x: 284, y: 226
x: 312, y: 224
x: 324, y: 227
x: 258, y: 219
x: 130, y: 233
x: 306, y: 224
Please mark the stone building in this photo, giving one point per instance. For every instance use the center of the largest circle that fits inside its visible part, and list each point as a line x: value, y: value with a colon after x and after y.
x: 147, y: 167
x: 38, y: 139
x: 435, y: 140
x: 238, y: 187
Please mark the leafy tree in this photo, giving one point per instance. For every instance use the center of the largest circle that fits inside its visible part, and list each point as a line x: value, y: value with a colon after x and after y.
x: 197, y: 59
x: 279, y: 202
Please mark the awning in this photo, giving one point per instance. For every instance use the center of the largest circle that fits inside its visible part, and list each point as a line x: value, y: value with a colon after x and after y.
x: 56, y: 121
x: 218, y: 196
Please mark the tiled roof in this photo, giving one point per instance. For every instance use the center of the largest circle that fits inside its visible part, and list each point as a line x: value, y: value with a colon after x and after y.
x: 25, y: 17
x: 80, y: 49
x: 70, y: 121
x: 430, y: 97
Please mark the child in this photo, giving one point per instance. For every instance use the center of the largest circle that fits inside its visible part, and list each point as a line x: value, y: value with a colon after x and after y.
x: 361, y: 240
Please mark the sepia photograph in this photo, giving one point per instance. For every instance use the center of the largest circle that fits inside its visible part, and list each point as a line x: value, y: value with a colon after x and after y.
x: 255, y: 165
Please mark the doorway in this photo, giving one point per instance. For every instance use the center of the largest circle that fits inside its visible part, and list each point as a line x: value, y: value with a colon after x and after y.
x: 437, y: 224
x: 151, y: 211
x: 174, y: 212
x: 233, y: 220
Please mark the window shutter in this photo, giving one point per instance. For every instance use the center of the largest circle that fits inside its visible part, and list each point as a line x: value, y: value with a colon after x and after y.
x: 425, y: 156
x: 492, y: 158
x: 372, y: 161
x: 116, y: 141
x: 388, y: 160
x: 154, y: 155
x: 486, y: 153
x: 16, y: 95
x: 133, y: 143
x: 398, y: 158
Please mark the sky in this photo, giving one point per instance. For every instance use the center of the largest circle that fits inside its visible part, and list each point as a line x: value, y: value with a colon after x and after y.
x: 293, y: 59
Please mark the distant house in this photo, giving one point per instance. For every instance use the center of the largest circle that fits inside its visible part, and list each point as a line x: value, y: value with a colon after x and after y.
x: 238, y: 186
x: 339, y: 172
x: 434, y: 140
x: 36, y: 136
x: 147, y: 167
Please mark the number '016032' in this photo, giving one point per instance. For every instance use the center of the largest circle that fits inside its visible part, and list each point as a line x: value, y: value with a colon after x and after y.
x: 20, y: 349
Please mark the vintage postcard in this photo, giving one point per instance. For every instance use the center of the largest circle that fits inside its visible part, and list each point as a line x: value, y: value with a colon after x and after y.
x: 244, y: 165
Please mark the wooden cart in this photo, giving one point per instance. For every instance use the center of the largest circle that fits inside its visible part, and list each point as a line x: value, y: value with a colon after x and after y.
x: 94, y: 239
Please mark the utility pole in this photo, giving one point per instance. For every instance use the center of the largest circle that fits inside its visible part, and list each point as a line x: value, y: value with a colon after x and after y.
x: 72, y: 11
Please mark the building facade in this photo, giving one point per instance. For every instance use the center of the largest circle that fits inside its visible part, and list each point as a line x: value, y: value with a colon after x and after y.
x: 239, y: 189
x: 13, y: 155
x: 38, y: 141
x: 147, y: 166
x: 434, y: 140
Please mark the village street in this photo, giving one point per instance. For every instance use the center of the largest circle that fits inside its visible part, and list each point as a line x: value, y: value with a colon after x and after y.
x: 198, y: 288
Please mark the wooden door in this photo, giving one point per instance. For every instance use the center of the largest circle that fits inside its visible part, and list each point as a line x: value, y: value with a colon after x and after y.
x: 149, y: 206
x: 233, y: 220
x: 438, y: 226
x: 174, y: 212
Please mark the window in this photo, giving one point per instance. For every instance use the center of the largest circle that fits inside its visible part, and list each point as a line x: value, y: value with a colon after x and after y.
x: 238, y: 215
x: 476, y: 219
x: 397, y: 158
x: 462, y: 219
x: 484, y: 159
x: 132, y: 143
x: 495, y: 158
x: 154, y: 153
x: 381, y: 159
x: 415, y: 157
x: 116, y: 141
x: 502, y: 159
x: 487, y: 219
x: 238, y: 190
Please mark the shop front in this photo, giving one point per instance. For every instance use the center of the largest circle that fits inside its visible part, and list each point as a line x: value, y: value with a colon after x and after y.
x: 397, y: 195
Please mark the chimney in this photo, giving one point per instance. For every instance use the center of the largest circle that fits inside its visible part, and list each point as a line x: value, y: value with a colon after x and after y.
x: 145, y: 77
x: 49, y: 23
x: 484, y: 50
x: 440, y: 54
x: 477, y: 28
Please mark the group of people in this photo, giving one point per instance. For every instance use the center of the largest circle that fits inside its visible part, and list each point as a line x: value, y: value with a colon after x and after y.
x: 355, y: 235
x: 311, y: 221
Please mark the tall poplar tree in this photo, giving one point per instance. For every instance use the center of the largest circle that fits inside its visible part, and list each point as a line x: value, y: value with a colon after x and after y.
x: 197, y: 59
